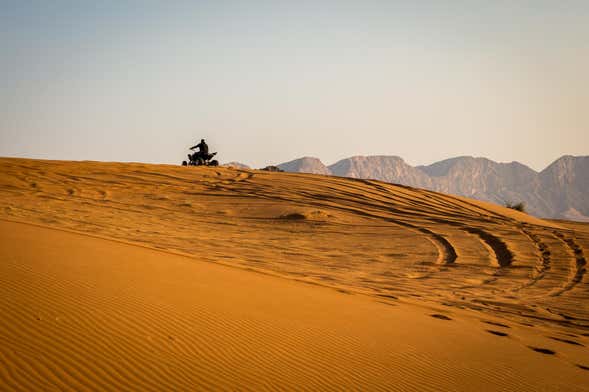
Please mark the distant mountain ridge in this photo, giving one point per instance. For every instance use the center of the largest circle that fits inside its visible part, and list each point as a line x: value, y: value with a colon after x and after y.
x: 305, y: 165
x: 559, y: 191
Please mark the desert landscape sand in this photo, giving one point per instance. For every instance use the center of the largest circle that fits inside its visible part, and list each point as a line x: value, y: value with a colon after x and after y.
x: 129, y: 276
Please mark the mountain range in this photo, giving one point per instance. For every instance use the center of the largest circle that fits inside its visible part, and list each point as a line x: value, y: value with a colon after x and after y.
x: 560, y: 191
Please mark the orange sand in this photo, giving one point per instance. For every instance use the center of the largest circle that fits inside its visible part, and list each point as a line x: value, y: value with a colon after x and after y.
x: 223, y: 304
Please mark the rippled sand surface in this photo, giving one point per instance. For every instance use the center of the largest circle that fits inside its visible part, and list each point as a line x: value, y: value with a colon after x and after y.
x: 377, y: 257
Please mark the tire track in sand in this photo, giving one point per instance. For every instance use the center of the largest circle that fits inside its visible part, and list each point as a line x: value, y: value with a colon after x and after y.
x: 543, y: 263
x: 502, y: 255
x: 578, y: 263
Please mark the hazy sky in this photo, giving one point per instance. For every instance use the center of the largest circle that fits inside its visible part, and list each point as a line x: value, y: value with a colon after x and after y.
x: 269, y: 81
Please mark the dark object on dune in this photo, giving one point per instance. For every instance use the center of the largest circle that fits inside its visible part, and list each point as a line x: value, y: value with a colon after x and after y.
x: 272, y: 169
x: 440, y: 316
x: 197, y: 159
x: 201, y: 157
x: 521, y: 206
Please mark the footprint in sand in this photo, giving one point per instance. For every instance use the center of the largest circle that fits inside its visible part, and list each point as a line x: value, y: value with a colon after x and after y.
x: 568, y: 341
x: 546, y: 351
x: 440, y: 316
x: 498, y: 333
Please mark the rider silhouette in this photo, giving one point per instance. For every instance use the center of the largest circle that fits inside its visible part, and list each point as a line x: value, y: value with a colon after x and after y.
x: 203, y: 151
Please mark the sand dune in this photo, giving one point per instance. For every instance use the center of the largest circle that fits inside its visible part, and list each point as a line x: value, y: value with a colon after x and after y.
x: 213, y: 296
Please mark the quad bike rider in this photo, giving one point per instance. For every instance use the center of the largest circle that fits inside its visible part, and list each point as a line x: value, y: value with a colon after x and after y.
x: 201, y: 157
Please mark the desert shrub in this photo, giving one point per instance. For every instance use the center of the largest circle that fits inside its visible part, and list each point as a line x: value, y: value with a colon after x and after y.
x: 521, y: 206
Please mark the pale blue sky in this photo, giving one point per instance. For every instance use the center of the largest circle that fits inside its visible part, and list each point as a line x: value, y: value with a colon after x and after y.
x: 269, y: 81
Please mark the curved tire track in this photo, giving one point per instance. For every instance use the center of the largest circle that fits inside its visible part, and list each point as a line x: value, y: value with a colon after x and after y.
x: 544, y: 259
x: 503, y: 256
x: 578, y: 268
x: 447, y: 253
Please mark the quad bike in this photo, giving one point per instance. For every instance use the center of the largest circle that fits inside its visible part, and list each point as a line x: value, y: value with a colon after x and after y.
x: 196, y: 159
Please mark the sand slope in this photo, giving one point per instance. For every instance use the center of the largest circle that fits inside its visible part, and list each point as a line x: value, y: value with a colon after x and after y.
x: 86, y: 313
x: 380, y: 258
